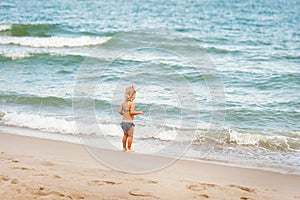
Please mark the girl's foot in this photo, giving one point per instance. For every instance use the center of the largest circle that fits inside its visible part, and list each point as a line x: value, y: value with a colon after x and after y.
x: 130, y: 150
x: 124, y: 150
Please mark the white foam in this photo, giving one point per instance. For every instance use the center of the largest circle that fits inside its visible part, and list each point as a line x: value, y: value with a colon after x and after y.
x: 243, y: 138
x: 111, y: 130
x: 44, y: 123
x: 56, y: 42
x: 16, y: 55
x: 5, y: 27
x: 26, y: 52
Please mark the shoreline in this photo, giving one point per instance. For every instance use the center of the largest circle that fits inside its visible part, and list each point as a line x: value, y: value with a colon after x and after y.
x: 34, y: 167
x: 76, y: 139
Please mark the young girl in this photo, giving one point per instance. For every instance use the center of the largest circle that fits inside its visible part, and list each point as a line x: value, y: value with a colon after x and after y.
x: 127, y: 110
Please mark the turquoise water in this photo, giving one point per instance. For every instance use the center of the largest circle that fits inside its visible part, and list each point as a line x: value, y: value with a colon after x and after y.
x: 253, y: 45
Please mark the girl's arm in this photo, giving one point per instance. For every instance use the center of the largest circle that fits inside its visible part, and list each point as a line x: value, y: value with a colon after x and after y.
x: 133, y: 112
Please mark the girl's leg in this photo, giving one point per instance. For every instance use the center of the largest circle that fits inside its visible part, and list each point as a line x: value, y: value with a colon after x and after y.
x: 130, y: 137
x: 124, y: 141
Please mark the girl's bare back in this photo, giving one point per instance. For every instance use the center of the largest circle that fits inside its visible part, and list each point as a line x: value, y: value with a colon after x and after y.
x: 127, y: 110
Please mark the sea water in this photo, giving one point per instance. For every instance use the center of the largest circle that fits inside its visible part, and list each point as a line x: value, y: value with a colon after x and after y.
x: 253, y: 46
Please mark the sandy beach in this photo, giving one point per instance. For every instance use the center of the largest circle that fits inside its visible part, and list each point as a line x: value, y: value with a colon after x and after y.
x: 217, y: 82
x: 34, y: 168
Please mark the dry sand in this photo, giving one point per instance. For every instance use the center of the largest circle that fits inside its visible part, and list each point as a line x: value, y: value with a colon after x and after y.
x: 34, y: 168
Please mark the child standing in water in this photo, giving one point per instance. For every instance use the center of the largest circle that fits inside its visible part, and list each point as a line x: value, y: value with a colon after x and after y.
x: 127, y: 110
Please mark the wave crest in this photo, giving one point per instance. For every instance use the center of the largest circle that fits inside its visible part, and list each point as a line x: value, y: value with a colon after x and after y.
x: 54, y: 42
x: 5, y: 27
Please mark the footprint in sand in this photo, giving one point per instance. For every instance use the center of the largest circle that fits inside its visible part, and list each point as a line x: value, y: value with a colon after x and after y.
x: 199, y: 187
x: 22, y: 168
x: 152, y: 182
x: 99, y: 183
x: 48, y: 193
x: 14, y: 181
x: 4, y: 178
x: 203, y: 196
x: 147, y: 181
x: 244, y: 198
x: 42, y: 191
x: 138, y: 193
x: 76, y: 196
x: 56, y: 176
x: 40, y: 174
x: 195, y: 187
x: 243, y: 188
x: 11, y: 159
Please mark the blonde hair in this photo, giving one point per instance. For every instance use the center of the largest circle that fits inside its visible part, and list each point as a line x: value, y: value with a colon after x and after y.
x: 129, y: 93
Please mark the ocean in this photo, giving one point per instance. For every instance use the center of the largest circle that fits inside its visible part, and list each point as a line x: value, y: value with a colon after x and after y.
x: 220, y: 76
